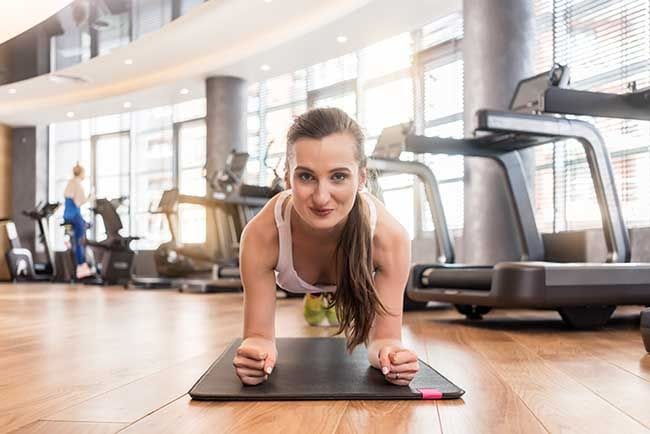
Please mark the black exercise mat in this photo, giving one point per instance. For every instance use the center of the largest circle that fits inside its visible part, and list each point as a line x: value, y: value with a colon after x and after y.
x: 317, y: 369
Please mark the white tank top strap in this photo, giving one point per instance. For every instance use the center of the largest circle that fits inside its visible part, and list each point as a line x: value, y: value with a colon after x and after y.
x: 284, y: 232
x: 277, y: 211
x: 372, y: 209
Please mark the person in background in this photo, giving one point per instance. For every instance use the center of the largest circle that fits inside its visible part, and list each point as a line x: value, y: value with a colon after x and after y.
x: 75, y: 197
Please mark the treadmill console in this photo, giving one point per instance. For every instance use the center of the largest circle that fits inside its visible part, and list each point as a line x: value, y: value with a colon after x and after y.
x: 168, y: 202
x: 526, y: 98
x: 390, y: 143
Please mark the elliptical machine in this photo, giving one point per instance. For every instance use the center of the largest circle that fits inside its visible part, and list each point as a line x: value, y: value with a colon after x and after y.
x: 113, y: 256
x: 114, y: 253
x: 19, y: 261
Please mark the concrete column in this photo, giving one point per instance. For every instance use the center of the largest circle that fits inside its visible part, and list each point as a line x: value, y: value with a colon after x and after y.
x: 498, y: 46
x: 225, y: 119
x: 29, y: 180
x: 226, y: 110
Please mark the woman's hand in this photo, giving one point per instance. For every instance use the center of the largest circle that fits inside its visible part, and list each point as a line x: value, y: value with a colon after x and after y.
x: 255, y: 360
x: 398, y: 364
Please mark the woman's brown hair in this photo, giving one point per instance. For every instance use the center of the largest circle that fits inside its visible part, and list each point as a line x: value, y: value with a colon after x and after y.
x: 355, y: 300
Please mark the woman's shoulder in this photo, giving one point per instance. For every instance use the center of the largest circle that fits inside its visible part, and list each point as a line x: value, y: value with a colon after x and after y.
x: 262, y: 229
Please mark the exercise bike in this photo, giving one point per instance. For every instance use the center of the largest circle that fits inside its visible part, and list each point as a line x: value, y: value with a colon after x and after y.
x: 112, y: 257
x: 20, y: 263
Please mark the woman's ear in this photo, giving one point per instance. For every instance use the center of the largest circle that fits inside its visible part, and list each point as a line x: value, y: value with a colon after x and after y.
x: 363, y: 177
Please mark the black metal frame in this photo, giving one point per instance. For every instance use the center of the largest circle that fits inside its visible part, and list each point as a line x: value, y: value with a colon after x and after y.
x: 517, y: 131
x: 423, y: 172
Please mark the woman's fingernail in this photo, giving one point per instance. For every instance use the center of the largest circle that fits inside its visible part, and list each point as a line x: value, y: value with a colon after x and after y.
x: 384, y: 370
x: 269, y: 369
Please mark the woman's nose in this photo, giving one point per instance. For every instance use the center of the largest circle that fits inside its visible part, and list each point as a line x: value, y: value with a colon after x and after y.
x: 321, y: 195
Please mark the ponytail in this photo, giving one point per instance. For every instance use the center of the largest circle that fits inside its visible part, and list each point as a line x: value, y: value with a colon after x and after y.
x: 355, y: 300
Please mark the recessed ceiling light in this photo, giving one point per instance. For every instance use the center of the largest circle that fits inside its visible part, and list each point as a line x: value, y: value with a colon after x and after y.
x: 268, y: 1
x: 128, y: 61
x: 342, y: 39
x: 184, y: 91
x: 265, y: 67
x: 127, y: 105
x: 12, y: 91
x: 70, y: 114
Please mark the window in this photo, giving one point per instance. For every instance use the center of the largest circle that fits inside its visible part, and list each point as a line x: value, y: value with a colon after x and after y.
x: 441, y: 80
x: 191, y: 161
x: 111, y: 168
x: 150, y: 15
x: 607, y: 46
x: 152, y: 174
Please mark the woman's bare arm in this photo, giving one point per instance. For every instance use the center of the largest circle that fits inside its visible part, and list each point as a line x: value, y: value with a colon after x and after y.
x: 257, y: 354
x: 258, y: 278
x: 392, y: 259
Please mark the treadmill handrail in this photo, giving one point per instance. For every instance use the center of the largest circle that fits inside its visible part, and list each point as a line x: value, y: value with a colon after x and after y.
x: 528, y: 236
x: 602, y: 174
x: 428, y: 179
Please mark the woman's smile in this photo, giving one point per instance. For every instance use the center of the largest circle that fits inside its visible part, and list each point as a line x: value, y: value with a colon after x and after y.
x: 321, y: 212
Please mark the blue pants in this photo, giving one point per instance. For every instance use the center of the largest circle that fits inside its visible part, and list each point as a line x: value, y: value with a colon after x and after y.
x: 72, y: 216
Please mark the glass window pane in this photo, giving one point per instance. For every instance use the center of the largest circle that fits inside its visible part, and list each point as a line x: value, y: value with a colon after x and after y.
x: 192, y: 223
x: 191, y: 150
x: 332, y: 71
x: 113, y: 30
x: 443, y: 87
x: 188, y: 110
x: 400, y: 204
x: 388, y: 56
x: 150, y: 15
x: 285, y: 89
x: 152, y: 172
x: 388, y: 104
x: 112, y: 175
x: 277, y: 126
x: 346, y: 102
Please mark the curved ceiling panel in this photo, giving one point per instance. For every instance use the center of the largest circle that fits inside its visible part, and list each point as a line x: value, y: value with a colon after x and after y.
x: 218, y: 37
x: 20, y: 16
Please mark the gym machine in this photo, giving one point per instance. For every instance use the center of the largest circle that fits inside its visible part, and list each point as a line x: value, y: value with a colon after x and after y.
x: 208, y: 268
x: 585, y: 294
x: 19, y: 264
x: 112, y: 257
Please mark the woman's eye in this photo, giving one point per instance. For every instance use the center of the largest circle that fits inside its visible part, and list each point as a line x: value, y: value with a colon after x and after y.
x: 339, y: 177
x: 305, y: 176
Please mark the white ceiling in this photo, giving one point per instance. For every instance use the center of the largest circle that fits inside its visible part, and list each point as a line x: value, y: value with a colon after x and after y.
x: 17, y: 16
x: 220, y: 37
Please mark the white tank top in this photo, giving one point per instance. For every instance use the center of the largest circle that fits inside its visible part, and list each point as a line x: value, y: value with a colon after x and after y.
x: 285, y: 275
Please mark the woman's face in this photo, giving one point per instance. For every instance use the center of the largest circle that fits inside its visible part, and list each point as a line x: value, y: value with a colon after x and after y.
x: 324, y: 176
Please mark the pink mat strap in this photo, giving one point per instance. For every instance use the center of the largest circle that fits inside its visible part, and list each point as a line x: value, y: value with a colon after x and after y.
x: 430, y: 393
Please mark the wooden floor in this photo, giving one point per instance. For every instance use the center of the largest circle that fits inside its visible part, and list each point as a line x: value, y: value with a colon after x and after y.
x: 104, y: 360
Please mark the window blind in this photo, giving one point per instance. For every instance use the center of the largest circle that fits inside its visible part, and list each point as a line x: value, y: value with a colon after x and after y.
x: 607, y: 46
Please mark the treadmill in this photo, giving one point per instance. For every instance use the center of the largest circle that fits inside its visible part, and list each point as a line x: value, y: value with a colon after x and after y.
x: 191, y: 268
x: 208, y: 269
x: 585, y: 294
